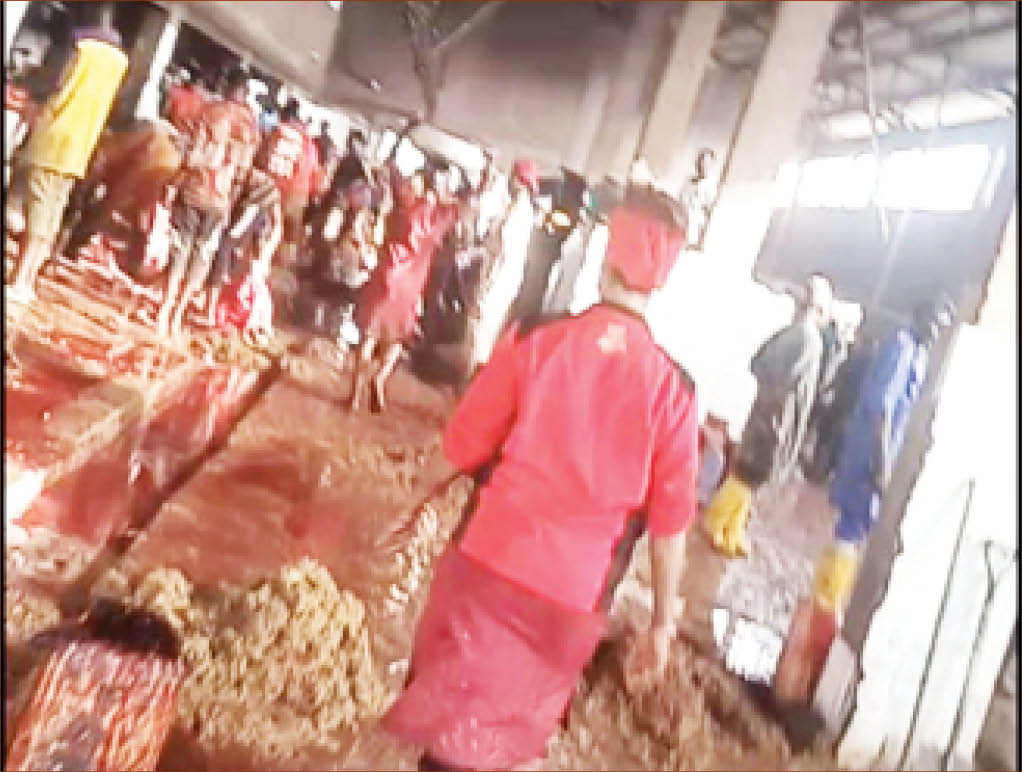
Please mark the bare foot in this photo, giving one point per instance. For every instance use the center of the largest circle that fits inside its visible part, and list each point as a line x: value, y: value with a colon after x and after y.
x: 381, y: 403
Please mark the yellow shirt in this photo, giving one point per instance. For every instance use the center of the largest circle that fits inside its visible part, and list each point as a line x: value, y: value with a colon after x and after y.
x: 73, y: 118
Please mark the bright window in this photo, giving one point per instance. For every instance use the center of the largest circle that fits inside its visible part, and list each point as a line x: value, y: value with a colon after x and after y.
x: 822, y: 182
x: 842, y: 182
x: 861, y: 181
x: 785, y: 185
x: 900, y: 174
x: 945, y: 179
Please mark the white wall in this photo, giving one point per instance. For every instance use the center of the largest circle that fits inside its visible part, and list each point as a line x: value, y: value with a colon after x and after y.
x: 975, y: 435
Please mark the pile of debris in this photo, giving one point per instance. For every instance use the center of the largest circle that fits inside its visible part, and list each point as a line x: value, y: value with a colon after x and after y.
x: 278, y: 669
x: 698, y: 717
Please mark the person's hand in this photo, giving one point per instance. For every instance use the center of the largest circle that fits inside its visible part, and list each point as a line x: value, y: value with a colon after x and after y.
x: 648, y: 660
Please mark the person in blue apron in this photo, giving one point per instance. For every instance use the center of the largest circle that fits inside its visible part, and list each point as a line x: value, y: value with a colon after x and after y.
x: 874, y: 436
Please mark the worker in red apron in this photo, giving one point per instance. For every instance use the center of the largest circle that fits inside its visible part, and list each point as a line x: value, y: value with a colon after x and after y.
x: 586, y: 423
x: 391, y: 301
x: 185, y: 100
x: 220, y: 152
x: 290, y: 156
x: 129, y: 224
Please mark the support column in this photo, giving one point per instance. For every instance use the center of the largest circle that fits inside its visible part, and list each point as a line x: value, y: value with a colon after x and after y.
x: 1000, y: 308
x: 769, y: 131
x: 675, y: 100
x: 143, y: 59
x: 14, y: 12
x: 713, y: 315
x: 631, y: 92
x: 149, y: 100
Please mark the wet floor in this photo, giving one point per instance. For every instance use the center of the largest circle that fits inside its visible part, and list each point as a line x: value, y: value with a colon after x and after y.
x: 226, y: 491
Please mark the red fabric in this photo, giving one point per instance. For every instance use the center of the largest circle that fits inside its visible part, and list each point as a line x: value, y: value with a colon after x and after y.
x: 240, y: 300
x: 388, y: 307
x: 292, y: 160
x: 493, y: 669
x: 527, y: 173
x: 222, y: 146
x: 592, y: 423
x: 642, y: 248
x: 184, y: 104
x: 15, y: 98
x: 18, y: 100
x: 97, y: 707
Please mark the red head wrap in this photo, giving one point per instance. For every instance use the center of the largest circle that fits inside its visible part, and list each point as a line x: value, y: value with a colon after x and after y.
x: 647, y: 233
x: 527, y: 173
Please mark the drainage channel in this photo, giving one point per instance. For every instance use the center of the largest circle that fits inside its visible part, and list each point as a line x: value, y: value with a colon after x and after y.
x: 77, y: 596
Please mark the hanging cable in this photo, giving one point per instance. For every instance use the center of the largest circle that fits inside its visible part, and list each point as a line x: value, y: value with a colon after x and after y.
x: 993, y: 582
x: 872, y: 113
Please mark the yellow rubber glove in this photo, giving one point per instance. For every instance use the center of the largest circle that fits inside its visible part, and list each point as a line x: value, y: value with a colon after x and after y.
x: 726, y: 517
x: 835, y: 577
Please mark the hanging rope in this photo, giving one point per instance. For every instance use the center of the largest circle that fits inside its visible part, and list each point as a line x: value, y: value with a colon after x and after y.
x: 867, y: 61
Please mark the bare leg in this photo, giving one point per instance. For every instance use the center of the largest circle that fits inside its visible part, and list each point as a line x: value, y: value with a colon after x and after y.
x: 214, y: 300
x: 198, y: 271
x: 390, y: 359
x: 178, y: 267
x: 33, y: 255
x: 196, y: 278
x: 362, y: 362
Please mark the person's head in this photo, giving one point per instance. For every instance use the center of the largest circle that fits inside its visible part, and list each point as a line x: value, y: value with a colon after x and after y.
x: 819, y: 299
x: 573, y: 196
x: 419, y: 183
x: 705, y: 159
x: 356, y: 141
x: 525, y: 176
x: 103, y: 16
x: 191, y: 72
x: 639, y: 172
x: 930, y: 317
x: 235, y: 85
x: 291, y: 110
x: 647, y: 234
x: 98, y: 24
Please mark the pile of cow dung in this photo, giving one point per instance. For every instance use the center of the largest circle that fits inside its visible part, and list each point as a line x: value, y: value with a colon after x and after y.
x: 27, y: 613
x: 278, y: 669
x: 698, y: 717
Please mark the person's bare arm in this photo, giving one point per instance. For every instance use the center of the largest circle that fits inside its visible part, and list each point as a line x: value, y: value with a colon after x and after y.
x: 667, y: 559
x: 671, y: 508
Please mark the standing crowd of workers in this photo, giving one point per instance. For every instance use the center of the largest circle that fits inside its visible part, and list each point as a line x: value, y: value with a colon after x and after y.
x: 575, y: 422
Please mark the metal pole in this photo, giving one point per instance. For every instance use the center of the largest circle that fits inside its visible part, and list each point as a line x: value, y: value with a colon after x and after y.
x: 14, y: 12
x: 992, y: 585
x: 937, y: 626
x: 872, y: 110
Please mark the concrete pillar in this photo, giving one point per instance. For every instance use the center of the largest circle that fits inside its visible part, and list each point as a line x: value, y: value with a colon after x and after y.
x: 1000, y: 308
x: 712, y: 315
x: 769, y: 131
x: 590, y: 114
x: 632, y: 91
x: 675, y: 99
x: 149, y: 100
x: 14, y: 12
x: 143, y: 59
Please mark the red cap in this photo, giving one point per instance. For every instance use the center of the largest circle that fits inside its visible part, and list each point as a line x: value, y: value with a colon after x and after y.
x: 527, y: 173
x: 643, y: 248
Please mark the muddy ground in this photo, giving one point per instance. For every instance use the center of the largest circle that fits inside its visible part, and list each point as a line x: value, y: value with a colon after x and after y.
x: 300, y: 476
